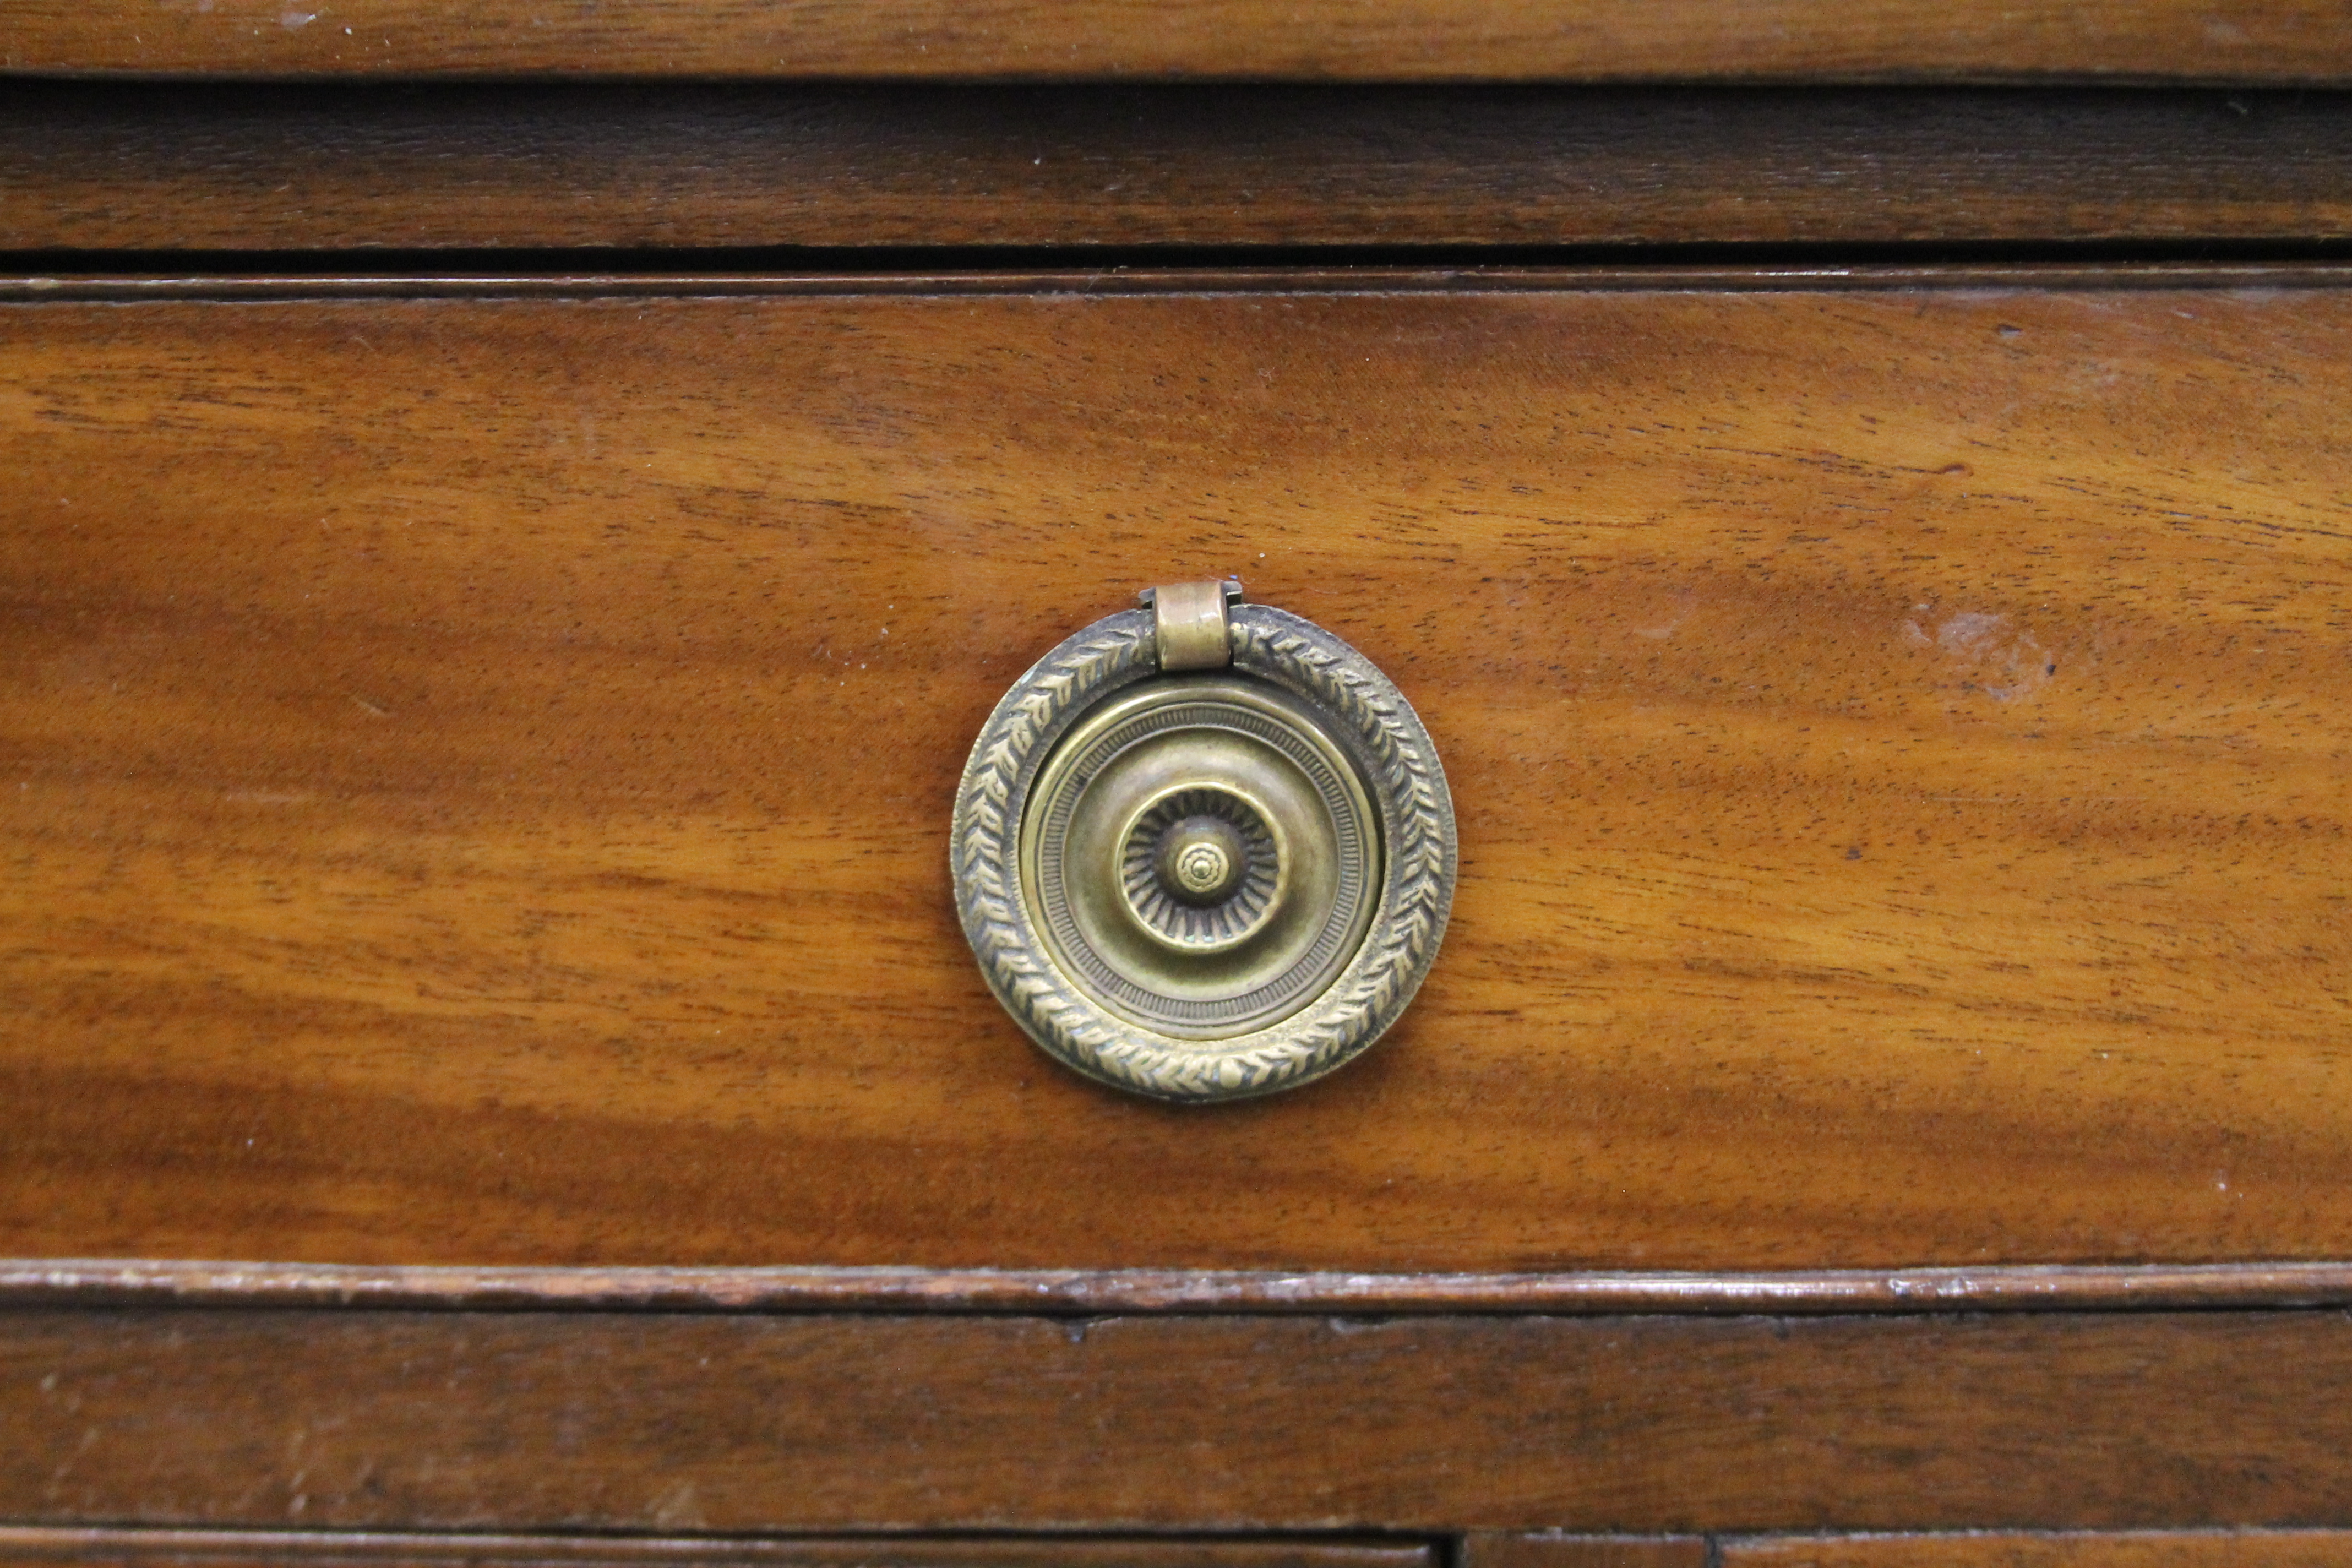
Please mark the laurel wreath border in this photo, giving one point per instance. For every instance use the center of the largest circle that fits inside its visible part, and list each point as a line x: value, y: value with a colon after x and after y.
x: 1378, y: 728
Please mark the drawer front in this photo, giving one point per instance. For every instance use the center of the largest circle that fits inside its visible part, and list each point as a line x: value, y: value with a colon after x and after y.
x: 35, y: 1547
x: 148, y: 165
x: 23, y: 1547
x: 2185, y: 1549
x: 1773, y: 40
x: 1988, y: 1548
x: 479, y: 768
x: 731, y: 1423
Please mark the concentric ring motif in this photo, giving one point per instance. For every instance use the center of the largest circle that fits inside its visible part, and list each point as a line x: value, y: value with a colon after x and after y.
x: 1400, y: 767
x: 1168, y: 912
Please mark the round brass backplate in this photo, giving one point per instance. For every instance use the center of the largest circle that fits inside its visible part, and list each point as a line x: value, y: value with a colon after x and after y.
x: 1201, y: 856
x: 1203, y: 886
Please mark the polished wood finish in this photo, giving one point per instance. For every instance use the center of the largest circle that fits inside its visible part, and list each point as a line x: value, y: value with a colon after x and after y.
x: 1556, y: 1550
x: 1997, y: 1289
x: 1514, y: 40
x: 33, y: 1546
x: 467, y: 277
x: 365, y: 1420
x: 477, y: 771
x: 2183, y: 1549
x: 271, y: 168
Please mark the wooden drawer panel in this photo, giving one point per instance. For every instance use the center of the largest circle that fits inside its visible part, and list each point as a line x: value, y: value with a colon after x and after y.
x: 476, y: 769
x: 1992, y: 1549
x: 22, y: 1546
x: 2214, y: 1549
x: 1908, y: 40
x: 673, y: 1422
x: 209, y: 165
x: 35, y: 1547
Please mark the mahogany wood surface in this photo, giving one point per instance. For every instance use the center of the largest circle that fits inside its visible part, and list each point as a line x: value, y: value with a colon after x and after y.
x: 645, y: 1422
x: 491, y: 276
x: 2183, y: 1549
x: 1516, y: 41
x: 269, y: 168
x: 1497, y: 1550
x: 475, y: 772
x: 24, y: 1546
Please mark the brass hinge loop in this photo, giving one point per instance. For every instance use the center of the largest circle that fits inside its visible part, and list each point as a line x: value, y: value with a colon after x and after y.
x: 1190, y: 622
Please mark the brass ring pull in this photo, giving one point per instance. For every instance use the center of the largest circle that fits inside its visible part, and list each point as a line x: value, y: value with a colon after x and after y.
x: 1203, y: 850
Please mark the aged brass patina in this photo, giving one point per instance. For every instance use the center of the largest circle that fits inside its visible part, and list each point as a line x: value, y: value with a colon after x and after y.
x: 1204, y: 849
x: 1188, y: 623
x: 1201, y: 855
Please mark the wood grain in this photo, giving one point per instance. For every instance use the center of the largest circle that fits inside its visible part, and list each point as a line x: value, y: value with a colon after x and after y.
x: 472, y: 278
x: 359, y: 1420
x: 267, y: 168
x: 33, y: 1546
x: 2185, y: 1549
x: 1554, y: 1551
x: 476, y: 772
x: 1509, y: 40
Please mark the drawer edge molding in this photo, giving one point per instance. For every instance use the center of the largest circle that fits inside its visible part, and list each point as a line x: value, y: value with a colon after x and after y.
x: 466, y: 279
x: 2041, y: 1287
